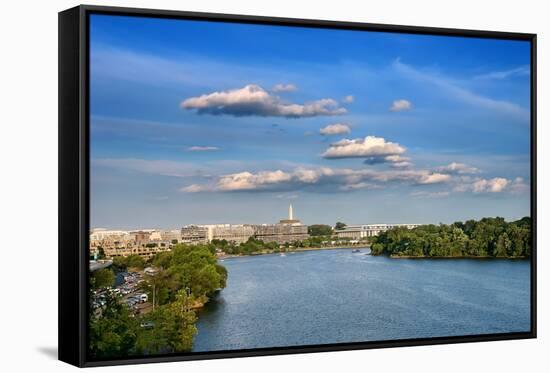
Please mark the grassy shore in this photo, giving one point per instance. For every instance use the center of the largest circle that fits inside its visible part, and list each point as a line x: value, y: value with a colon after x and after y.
x: 359, y: 247
x: 455, y: 257
x: 296, y: 250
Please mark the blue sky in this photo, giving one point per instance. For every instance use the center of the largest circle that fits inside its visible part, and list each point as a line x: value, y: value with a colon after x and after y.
x: 203, y: 122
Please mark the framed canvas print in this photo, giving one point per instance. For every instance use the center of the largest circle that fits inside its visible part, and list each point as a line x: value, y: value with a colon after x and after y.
x: 239, y: 186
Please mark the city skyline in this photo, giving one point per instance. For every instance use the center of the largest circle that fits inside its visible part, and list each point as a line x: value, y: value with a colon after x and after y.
x: 209, y: 129
x: 291, y: 217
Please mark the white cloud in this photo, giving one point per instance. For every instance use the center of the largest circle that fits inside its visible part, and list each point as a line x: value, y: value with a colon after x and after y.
x: 348, y: 99
x: 457, y: 168
x: 335, y: 129
x: 495, y: 185
x: 434, y: 178
x: 358, y: 186
x: 397, y: 161
x: 323, y: 177
x: 368, y: 147
x: 425, y: 194
x: 193, y: 188
x: 254, y: 100
x: 400, y: 105
x: 479, y: 185
x: 519, y: 186
x: 500, y: 75
x: 284, y: 88
x: 453, y: 89
x: 202, y: 148
x: 243, y: 181
x: 401, y: 164
x: 116, y: 63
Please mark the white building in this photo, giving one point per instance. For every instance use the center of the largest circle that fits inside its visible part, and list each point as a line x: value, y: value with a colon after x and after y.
x: 100, y: 234
x: 194, y: 234
x: 357, y: 232
x: 230, y: 232
x: 286, y: 231
x: 236, y: 233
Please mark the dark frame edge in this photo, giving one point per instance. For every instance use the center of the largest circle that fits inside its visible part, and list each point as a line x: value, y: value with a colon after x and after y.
x: 70, y: 246
x: 533, y: 127
x: 277, y: 351
x: 306, y: 22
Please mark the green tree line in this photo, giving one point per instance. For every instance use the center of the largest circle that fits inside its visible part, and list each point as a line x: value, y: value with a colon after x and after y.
x: 255, y: 246
x: 488, y: 237
x: 183, y: 280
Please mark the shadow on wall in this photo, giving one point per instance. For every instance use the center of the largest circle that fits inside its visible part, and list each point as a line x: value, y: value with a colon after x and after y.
x: 50, y: 352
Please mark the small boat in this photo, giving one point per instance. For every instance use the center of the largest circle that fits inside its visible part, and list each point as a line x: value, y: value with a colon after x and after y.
x: 282, y: 254
x: 356, y: 251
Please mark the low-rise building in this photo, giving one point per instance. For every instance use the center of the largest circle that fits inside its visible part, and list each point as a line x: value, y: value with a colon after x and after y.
x: 357, y: 232
x: 109, y: 239
x: 281, y: 233
x: 197, y: 234
x: 286, y: 231
x: 171, y: 235
x: 231, y: 233
x: 146, y: 242
x: 194, y: 234
x: 147, y: 251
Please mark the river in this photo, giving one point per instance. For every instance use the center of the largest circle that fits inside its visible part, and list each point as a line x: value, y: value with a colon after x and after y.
x: 336, y: 296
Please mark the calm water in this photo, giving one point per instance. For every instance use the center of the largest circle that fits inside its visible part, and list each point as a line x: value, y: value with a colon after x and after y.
x: 338, y: 296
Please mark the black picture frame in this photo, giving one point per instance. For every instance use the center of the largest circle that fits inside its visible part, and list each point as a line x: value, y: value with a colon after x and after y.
x: 74, y: 167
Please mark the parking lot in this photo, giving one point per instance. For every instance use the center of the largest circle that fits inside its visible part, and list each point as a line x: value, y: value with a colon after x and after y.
x: 128, y: 291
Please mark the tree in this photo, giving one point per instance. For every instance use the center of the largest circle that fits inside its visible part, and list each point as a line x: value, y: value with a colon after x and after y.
x: 503, y: 245
x: 319, y: 230
x: 113, y: 333
x: 102, y: 278
x: 159, y: 287
x: 131, y: 261
x: 524, y: 222
x: 194, y: 267
x: 100, y: 253
x: 339, y: 225
x: 487, y: 237
x: 186, y: 277
x: 135, y: 261
x: 120, y: 263
x: 222, y: 271
x: 162, y: 260
x: 172, y: 327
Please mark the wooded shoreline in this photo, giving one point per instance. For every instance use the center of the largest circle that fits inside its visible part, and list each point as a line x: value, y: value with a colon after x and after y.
x: 482, y: 239
x: 486, y: 257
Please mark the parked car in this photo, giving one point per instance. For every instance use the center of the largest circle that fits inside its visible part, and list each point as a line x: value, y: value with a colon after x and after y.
x: 147, y: 325
x: 131, y: 302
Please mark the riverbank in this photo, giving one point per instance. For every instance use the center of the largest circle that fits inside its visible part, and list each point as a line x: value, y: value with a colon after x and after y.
x: 296, y: 250
x: 485, y: 257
